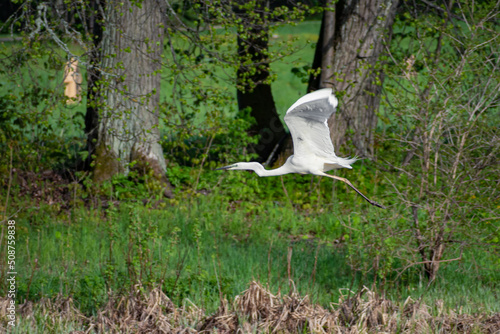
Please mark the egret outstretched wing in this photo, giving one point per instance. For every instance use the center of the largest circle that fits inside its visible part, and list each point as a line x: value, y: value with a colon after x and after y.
x: 307, y: 120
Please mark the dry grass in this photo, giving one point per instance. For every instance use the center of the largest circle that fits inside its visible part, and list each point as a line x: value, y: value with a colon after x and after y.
x: 257, y: 310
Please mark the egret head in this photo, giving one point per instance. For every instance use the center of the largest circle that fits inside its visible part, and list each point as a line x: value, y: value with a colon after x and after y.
x: 230, y: 167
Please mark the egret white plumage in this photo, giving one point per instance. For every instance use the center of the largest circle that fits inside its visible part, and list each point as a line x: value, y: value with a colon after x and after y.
x: 313, y: 149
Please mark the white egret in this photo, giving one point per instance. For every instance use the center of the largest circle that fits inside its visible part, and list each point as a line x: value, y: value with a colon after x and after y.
x: 313, y: 149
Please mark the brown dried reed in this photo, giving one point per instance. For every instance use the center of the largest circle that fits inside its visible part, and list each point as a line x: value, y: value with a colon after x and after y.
x: 257, y: 310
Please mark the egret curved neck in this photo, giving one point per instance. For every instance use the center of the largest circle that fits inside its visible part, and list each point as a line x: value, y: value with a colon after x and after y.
x: 261, y: 171
x: 273, y: 172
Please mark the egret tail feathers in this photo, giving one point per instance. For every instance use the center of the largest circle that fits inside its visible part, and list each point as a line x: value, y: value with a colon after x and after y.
x: 340, y: 163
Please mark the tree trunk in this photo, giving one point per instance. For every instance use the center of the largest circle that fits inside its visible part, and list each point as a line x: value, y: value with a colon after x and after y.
x: 350, y: 43
x: 93, y: 77
x: 122, y: 119
x: 254, y: 90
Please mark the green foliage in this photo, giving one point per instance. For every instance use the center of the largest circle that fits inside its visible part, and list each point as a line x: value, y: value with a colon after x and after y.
x: 224, y: 228
x: 442, y: 99
x: 200, y: 250
x: 225, y: 139
x: 90, y: 293
x: 35, y: 121
x: 203, y: 65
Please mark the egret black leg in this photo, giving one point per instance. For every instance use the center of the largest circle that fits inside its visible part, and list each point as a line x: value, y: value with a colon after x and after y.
x: 356, y: 190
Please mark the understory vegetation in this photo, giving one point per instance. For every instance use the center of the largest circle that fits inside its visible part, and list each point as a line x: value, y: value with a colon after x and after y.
x: 230, y: 250
x: 204, y: 250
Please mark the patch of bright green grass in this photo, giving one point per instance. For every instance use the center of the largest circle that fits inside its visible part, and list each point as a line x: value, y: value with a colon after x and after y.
x: 201, y: 249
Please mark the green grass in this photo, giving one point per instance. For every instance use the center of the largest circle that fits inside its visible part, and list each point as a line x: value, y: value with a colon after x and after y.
x: 201, y: 248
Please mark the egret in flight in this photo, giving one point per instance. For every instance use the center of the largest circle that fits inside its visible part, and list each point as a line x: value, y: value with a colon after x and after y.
x: 313, y: 149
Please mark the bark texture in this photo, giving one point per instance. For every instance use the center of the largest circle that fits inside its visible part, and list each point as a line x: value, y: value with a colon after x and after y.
x: 122, y: 120
x: 350, y: 44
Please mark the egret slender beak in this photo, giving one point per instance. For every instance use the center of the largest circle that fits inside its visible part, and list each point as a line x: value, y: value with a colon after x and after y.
x: 225, y: 167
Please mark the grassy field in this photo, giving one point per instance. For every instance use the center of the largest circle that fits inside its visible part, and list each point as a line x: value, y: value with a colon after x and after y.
x: 199, y: 249
x: 206, y: 248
